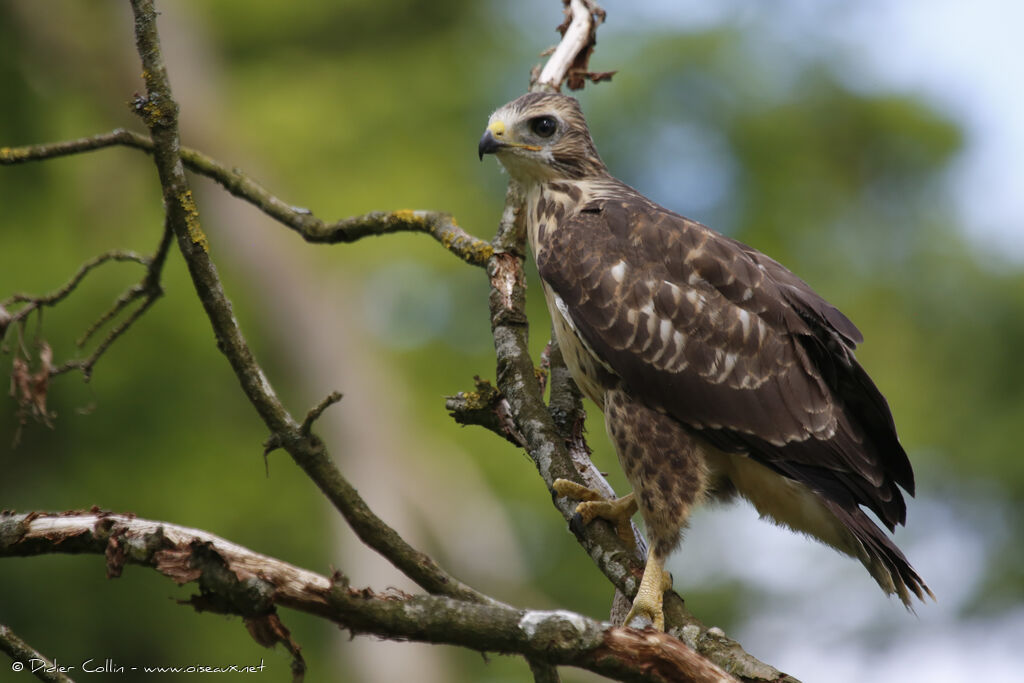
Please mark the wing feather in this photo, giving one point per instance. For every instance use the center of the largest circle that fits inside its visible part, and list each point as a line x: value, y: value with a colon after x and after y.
x: 730, y: 343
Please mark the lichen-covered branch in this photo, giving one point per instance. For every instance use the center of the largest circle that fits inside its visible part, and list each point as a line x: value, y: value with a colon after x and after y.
x: 441, y: 226
x: 485, y: 407
x: 51, y: 150
x: 306, y: 449
x: 236, y: 580
x: 24, y: 656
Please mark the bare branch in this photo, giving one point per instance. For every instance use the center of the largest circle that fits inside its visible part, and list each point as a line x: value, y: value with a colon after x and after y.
x: 236, y: 580
x: 86, y: 364
x: 148, y: 290
x: 24, y: 655
x: 440, y: 226
x: 125, y: 539
x: 566, y: 408
x: 313, y: 415
x: 34, y: 302
x: 51, y: 150
x: 516, y: 379
x: 568, y: 62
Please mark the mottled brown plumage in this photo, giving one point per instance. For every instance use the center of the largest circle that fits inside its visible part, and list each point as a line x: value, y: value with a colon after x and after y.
x: 718, y: 370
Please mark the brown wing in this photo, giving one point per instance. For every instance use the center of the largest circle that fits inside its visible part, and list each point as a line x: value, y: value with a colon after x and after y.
x: 731, y: 344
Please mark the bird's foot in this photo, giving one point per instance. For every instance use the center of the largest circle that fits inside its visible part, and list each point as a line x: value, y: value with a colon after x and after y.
x: 617, y: 511
x: 647, y: 605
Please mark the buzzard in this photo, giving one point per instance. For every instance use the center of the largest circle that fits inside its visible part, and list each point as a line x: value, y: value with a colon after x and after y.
x: 720, y: 373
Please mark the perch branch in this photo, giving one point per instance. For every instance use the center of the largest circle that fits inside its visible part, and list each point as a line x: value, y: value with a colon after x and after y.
x: 236, y: 580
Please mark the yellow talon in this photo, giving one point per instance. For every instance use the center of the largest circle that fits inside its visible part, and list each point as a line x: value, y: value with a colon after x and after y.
x: 647, y: 605
x: 618, y: 511
x: 570, y: 489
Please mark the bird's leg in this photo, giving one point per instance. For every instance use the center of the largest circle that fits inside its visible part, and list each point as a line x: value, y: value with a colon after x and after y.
x: 647, y: 605
x: 666, y: 467
x: 617, y: 511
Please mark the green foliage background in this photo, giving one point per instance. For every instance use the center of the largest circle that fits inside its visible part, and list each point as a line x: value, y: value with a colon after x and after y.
x: 361, y: 105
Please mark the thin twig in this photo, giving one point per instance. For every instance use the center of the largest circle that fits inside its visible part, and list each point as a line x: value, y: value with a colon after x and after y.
x: 25, y: 657
x: 86, y: 365
x: 318, y: 410
x: 34, y: 302
x: 148, y: 289
x: 120, y: 136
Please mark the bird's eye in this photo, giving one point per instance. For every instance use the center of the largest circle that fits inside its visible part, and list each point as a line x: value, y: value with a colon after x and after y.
x: 544, y: 126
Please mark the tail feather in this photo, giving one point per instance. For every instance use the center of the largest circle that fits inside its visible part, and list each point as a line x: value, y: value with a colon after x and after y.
x: 883, y: 560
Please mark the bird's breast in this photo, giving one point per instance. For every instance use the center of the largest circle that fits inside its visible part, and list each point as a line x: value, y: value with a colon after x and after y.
x: 591, y: 376
x: 547, y: 205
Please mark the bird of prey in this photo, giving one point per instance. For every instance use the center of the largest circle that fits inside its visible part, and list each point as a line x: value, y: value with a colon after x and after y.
x: 719, y: 372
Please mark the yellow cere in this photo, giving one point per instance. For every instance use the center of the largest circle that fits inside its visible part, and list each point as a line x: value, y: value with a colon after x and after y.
x: 497, y: 129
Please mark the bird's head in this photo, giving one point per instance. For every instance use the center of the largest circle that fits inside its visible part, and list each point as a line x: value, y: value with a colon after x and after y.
x: 541, y: 137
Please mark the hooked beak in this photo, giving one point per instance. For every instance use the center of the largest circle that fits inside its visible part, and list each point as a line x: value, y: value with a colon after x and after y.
x: 489, y: 144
